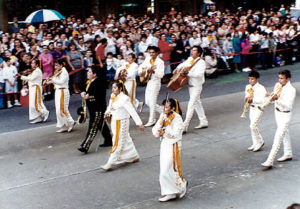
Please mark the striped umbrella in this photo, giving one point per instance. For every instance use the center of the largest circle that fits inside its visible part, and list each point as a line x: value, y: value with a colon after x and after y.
x: 44, y: 15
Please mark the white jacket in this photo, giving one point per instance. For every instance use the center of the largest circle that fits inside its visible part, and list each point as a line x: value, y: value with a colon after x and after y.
x: 196, y: 74
x: 131, y: 71
x: 259, y: 93
x: 287, y: 97
x: 35, y: 78
x: 62, y: 81
x: 123, y: 109
x: 158, y: 72
x: 173, y: 132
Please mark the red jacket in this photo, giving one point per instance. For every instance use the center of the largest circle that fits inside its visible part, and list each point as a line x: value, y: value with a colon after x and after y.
x: 165, y: 50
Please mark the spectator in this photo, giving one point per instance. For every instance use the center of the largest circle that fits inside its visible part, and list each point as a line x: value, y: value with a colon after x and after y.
x: 236, y: 43
x: 111, y: 66
x: 245, y: 44
x: 211, y: 63
x: 11, y: 86
x: 47, y: 66
x: 59, y: 52
x: 75, y: 61
x: 166, y: 48
x: 2, y: 85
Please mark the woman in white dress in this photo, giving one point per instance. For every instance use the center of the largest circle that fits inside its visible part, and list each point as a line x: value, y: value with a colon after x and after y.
x: 129, y: 69
x: 120, y: 109
x: 169, y: 128
x: 60, y: 80
x: 37, y: 110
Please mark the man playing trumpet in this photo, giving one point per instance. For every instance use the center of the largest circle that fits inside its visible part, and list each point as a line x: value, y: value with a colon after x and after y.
x: 155, y: 66
x: 254, y: 95
x: 284, y: 100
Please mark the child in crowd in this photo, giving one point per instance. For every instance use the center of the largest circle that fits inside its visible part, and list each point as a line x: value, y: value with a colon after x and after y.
x: 141, y: 58
x: 279, y: 61
x: 111, y: 63
x: 120, y: 61
x: 11, y: 86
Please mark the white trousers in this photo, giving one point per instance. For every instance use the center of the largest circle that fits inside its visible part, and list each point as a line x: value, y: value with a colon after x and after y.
x: 282, y: 134
x: 255, y: 115
x: 36, y: 104
x: 151, y: 95
x: 131, y: 89
x: 63, y: 115
x: 124, y: 149
x: 195, y: 104
x: 169, y: 179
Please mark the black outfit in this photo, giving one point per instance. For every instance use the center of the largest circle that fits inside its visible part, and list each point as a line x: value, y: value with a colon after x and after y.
x: 96, y: 105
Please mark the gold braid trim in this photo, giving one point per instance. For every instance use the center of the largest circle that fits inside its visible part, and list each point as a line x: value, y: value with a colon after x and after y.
x: 177, y: 108
x: 176, y: 160
x: 62, y: 104
x: 132, y: 92
x: 113, y: 149
x: 38, y: 99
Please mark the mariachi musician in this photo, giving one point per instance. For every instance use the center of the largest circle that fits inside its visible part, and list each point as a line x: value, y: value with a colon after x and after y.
x: 95, y: 96
x: 60, y: 79
x: 37, y: 110
x: 154, y: 66
x: 127, y: 73
x: 194, y: 67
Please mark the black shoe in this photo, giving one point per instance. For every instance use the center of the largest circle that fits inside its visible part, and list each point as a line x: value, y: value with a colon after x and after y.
x: 81, y: 149
x: 105, y: 145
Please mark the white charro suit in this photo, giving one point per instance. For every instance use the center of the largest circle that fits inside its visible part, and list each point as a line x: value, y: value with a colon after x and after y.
x: 196, y: 80
x: 36, y: 105
x: 153, y: 86
x: 283, y: 114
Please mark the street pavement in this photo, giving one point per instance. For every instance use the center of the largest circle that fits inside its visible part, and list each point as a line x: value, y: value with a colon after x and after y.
x: 41, y: 169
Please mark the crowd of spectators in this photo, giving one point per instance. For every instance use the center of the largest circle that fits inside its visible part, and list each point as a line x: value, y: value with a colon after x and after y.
x: 232, y: 41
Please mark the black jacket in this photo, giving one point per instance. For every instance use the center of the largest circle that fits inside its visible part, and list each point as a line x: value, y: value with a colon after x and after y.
x: 97, y: 96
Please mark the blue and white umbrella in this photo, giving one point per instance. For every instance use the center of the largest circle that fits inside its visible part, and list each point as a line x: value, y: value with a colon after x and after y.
x: 44, y: 15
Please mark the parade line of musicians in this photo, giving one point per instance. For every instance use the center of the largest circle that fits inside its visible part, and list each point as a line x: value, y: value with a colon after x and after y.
x: 170, y: 125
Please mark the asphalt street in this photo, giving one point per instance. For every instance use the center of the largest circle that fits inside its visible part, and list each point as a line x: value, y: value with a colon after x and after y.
x: 43, y: 169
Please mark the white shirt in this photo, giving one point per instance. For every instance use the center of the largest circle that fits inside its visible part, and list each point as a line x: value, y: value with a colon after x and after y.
x: 9, y: 73
x: 62, y: 81
x: 111, y: 63
x: 287, y: 97
x: 196, y: 73
x: 1, y: 75
x: 194, y: 42
x: 259, y: 93
x: 143, y: 46
x: 87, y: 37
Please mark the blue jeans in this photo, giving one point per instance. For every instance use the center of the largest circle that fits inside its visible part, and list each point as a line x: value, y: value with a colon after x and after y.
x: 2, y: 96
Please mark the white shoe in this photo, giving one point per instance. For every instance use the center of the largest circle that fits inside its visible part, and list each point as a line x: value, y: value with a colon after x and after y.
x: 285, y: 158
x: 246, y: 69
x: 63, y: 129
x: 133, y: 160
x: 37, y: 120
x: 9, y: 105
x: 184, y: 191
x: 267, y: 165
x: 258, y: 147
x: 17, y: 103
x: 106, y: 167
x: 70, y: 128
x: 140, y: 107
x: 167, y: 198
x: 45, y: 116
x: 149, y: 124
x: 250, y: 148
x: 201, y: 125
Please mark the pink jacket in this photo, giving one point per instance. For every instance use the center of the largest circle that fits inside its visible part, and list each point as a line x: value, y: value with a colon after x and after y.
x: 245, y: 46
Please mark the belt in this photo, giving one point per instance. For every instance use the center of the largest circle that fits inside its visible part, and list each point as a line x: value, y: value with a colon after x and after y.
x: 282, y: 111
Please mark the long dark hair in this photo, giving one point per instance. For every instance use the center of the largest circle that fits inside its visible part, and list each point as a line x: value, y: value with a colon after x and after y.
x: 173, y: 104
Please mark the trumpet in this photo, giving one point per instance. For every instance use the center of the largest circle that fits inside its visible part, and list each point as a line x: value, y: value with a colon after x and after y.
x: 277, y: 92
x: 245, y: 108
